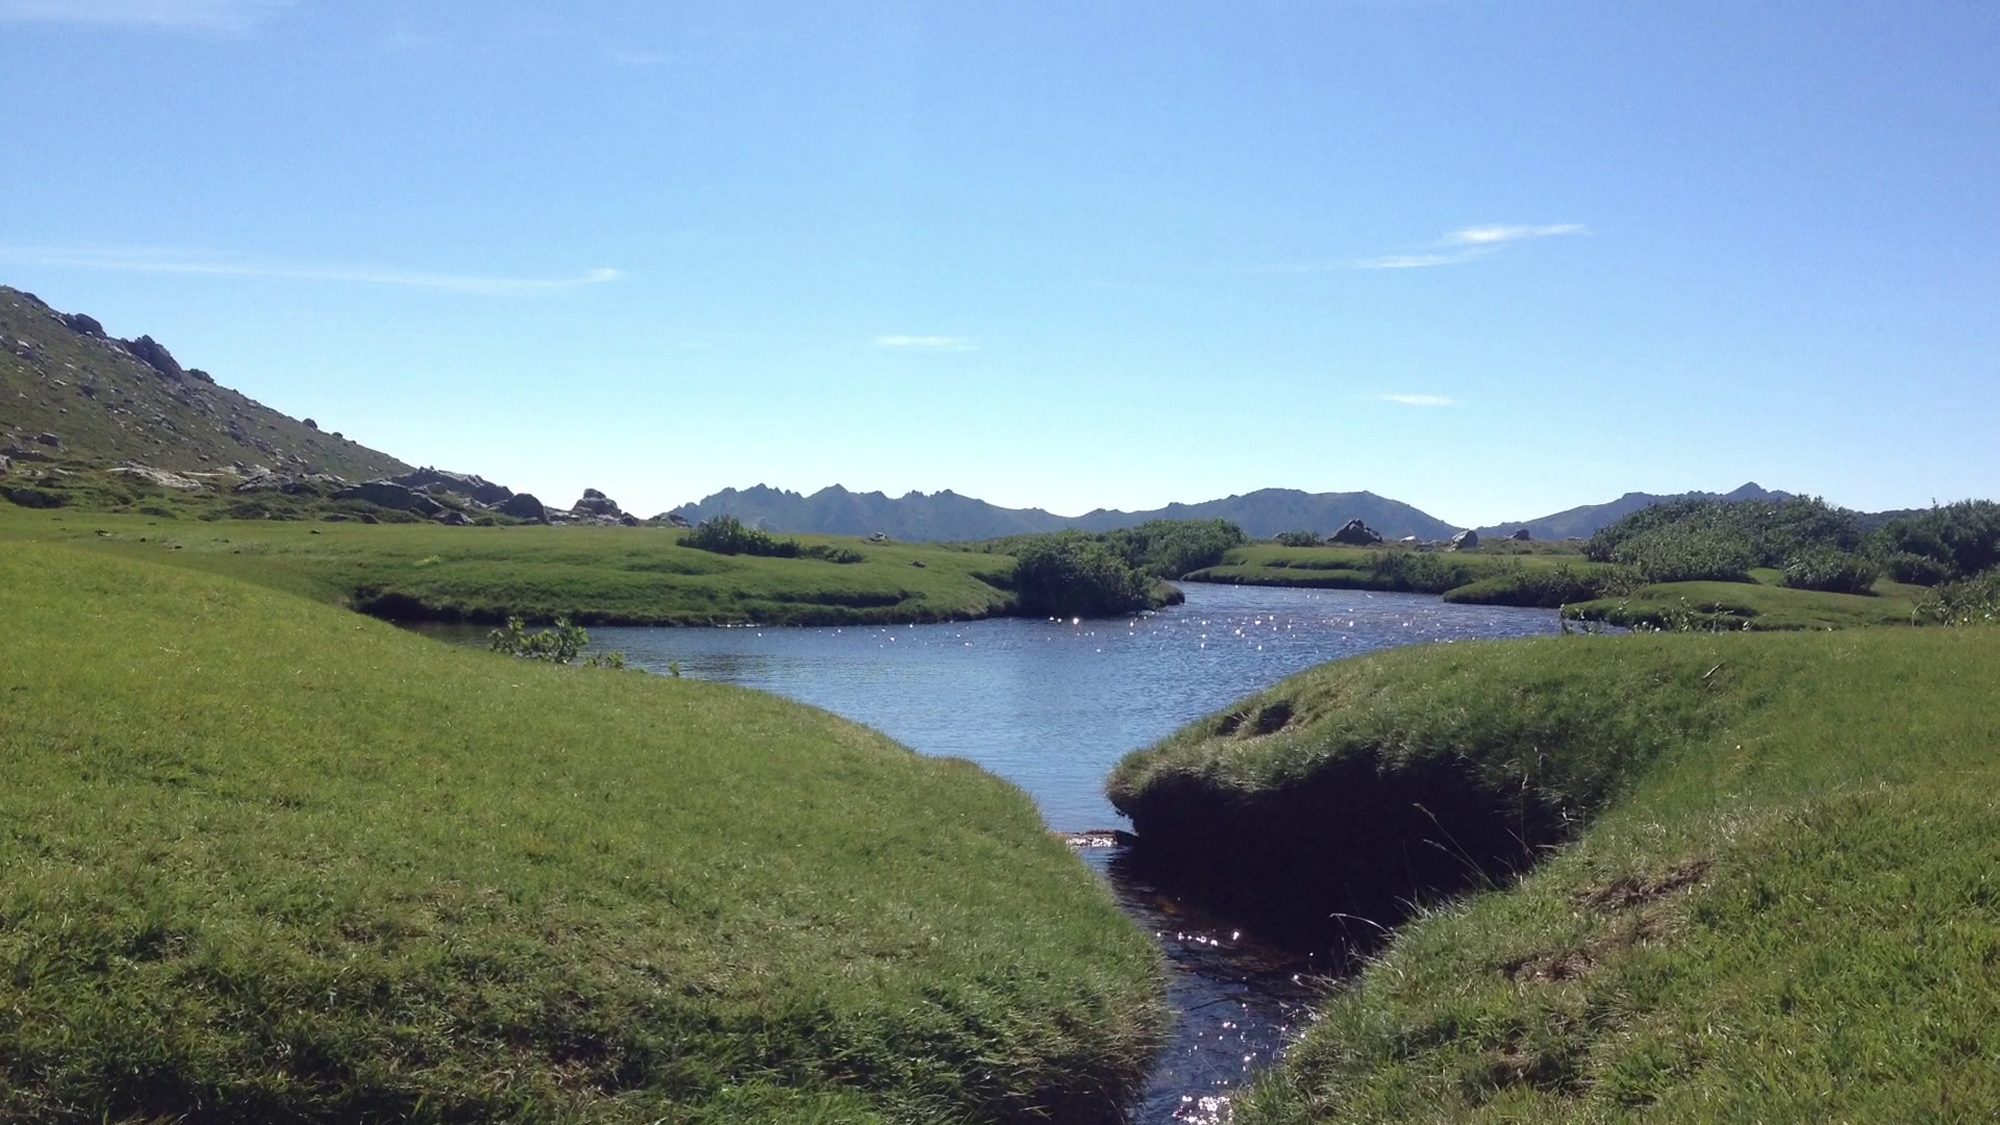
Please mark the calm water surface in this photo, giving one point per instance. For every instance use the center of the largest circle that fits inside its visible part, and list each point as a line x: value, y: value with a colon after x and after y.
x: 1052, y: 706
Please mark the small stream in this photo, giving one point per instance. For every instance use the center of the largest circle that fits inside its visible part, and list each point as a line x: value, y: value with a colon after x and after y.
x: 1053, y: 705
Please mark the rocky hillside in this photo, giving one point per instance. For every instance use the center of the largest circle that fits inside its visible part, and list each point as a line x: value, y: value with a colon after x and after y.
x: 71, y: 391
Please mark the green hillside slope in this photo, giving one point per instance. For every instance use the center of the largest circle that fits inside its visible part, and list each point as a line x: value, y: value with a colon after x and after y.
x: 262, y: 860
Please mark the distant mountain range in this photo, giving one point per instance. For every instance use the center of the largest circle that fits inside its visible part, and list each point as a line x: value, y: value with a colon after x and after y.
x: 947, y: 516
x: 69, y: 389
x: 1583, y: 522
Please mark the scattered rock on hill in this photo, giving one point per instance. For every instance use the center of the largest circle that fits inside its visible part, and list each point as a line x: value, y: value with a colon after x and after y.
x: 83, y: 324
x: 524, y: 506
x: 50, y: 440
x: 1465, y: 540
x: 595, y: 503
x: 34, y: 497
x: 389, y: 494
x: 160, y: 478
x: 149, y: 351
x: 1354, y: 533
x: 459, y: 484
x: 455, y: 518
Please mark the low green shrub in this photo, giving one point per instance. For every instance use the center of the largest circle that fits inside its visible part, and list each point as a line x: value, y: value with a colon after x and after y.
x: 1172, y: 548
x: 1917, y: 570
x: 726, y: 535
x: 1722, y: 541
x: 1974, y: 601
x: 1299, y: 539
x: 1422, y: 573
x: 559, y: 644
x: 1833, y: 572
x: 1947, y: 543
x: 1072, y: 574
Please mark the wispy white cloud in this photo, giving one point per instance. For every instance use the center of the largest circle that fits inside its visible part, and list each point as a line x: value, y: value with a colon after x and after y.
x: 1500, y: 235
x: 1419, y: 261
x: 1417, y: 400
x: 151, y: 260
x: 228, y: 17
x: 927, y: 343
x: 1468, y: 244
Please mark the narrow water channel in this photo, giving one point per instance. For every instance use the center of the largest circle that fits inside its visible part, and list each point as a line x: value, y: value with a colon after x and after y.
x: 1052, y: 706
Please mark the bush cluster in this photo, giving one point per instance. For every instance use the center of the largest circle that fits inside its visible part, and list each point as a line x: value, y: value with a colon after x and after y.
x: 1172, y: 548
x: 1421, y: 572
x: 558, y: 645
x: 1971, y: 601
x: 1721, y: 540
x: 1949, y: 543
x: 726, y: 535
x: 1075, y: 574
x: 1833, y: 572
x: 1299, y: 539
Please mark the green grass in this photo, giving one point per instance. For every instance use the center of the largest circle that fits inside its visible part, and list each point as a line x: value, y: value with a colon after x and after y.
x: 1552, y: 575
x: 262, y: 859
x: 1779, y: 902
x: 1759, y: 605
x: 592, y: 575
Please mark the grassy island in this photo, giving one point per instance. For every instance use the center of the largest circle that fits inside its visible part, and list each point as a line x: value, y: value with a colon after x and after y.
x: 1714, y: 877
x: 264, y: 859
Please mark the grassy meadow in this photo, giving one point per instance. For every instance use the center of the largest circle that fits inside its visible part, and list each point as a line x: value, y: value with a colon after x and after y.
x: 1717, y: 877
x: 265, y: 860
x: 592, y: 575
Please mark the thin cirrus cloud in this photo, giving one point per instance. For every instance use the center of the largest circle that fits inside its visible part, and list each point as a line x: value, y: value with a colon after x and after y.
x: 1468, y: 244
x: 230, y: 17
x: 1417, y: 400
x: 926, y: 343
x: 144, y: 260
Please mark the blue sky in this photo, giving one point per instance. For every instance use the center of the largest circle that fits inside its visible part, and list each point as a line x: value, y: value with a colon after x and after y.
x: 1492, y: 259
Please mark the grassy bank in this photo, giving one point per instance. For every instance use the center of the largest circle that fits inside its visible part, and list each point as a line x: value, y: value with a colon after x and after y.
x: 1762, y: 605
x: 262, y: 859
x: 1550, y: 576
x: 1502, y: 573
x: 593, y: 575
x: 1776, y: 902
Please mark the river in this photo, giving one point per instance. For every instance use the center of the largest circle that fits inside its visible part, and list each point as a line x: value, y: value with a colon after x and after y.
x: 1053, y: 705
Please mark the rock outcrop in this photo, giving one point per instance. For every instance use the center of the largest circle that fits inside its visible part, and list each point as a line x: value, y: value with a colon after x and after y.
x: 458, y: 484
x: 1466, y: 540
x: 149, y: 351
x: 1354, y: 533
x: 524, y: 506
x: 83, y: 324
x: 389, y: 494
x: 595, y: 503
